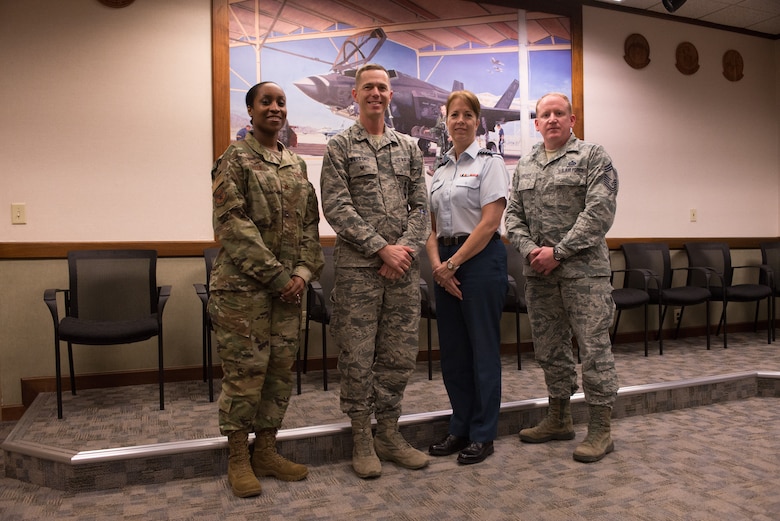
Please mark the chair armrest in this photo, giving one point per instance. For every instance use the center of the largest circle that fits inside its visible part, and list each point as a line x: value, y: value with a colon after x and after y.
x: 50, y: 299
x: 764, y: 270
x: 163, y: 293
x: 708, y: 272
x: 425, y: 295
x: 648, y: 275
x: 202, y: 292
x: 511, y: 290
x: 770, y: 275
x: 315, y: 295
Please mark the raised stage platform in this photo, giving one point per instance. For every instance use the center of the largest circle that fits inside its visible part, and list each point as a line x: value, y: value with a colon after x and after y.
x: 111, y: 438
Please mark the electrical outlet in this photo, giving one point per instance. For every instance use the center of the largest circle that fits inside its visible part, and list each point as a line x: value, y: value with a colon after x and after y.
x: 677, y: 315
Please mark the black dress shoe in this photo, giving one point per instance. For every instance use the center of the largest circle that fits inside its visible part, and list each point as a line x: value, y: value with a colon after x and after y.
x: 449, y: 445
x: 476, y: 452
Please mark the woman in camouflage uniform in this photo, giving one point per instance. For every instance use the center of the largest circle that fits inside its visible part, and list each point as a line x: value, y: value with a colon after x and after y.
x: 266, y: 218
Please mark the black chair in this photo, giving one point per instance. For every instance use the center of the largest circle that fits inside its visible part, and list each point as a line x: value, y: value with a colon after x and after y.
x: 515, y: 298
x: 318, y: 309
x: 654, y: 257
x: 770, y: 258
x: 716, y: 257
x: 633, y: 294
x: 427, y: 302
x: 209, y: 255
x: 113, y: 298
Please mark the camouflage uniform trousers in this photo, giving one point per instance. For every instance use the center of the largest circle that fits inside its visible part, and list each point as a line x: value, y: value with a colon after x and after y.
x: 257, y: 339
x: 559, y: 306
x: 376, y: 325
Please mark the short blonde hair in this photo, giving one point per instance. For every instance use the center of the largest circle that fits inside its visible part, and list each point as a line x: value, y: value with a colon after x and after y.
x: 558, y: 94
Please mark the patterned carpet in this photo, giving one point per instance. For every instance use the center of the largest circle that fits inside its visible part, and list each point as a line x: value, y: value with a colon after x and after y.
x: 715, y: 462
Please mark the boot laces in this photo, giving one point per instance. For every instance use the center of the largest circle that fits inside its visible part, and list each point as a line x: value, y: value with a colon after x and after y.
x: 363, y: 443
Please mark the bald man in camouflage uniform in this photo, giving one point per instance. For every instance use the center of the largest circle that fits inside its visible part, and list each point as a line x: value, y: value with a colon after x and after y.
x: 562, y: 204
x: 375, y: 198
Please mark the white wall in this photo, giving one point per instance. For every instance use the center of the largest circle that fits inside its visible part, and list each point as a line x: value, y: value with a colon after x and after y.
x: 105, y: 134
x: 105, y: 127
x: 681, y: 142
x: 105, y: 120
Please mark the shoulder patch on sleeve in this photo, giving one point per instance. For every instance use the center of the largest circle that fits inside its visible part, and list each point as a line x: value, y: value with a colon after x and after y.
x: 218, y: 191
x: 485, y: 152
x: 610, y: 179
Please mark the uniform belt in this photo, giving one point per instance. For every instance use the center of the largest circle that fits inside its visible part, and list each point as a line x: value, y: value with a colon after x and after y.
x: 460, y: 239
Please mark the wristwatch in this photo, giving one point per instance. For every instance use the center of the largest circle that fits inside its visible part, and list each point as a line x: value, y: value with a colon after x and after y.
x: 451, y: 266
x: 557, y: 254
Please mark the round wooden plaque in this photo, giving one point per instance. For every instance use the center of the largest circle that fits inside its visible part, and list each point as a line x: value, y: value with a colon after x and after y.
x: 687, y: 58
x: 116, y: 3
x: 637, y: 51
x: 733, y: 65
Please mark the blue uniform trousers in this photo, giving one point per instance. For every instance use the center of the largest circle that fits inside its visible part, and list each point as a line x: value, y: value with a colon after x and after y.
x: 470, y: 341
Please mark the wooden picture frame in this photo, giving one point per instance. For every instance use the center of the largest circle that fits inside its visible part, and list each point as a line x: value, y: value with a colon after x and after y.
x: 221, y: 61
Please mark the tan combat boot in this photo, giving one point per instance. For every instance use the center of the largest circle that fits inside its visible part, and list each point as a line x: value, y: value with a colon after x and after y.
x: 364, y: 458
x: 390, y: 445
x: 267, y: 462
x: 240, y: 476
x: 557, y: 425
x: 598, y: 443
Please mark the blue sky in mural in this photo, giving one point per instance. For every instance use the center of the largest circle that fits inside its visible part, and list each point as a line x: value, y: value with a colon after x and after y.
x: 288, y: 62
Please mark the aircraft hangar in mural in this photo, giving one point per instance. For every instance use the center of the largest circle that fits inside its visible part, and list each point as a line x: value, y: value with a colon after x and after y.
x: 312, y: 48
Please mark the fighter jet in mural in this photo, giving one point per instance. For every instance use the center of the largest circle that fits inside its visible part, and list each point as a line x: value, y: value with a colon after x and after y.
x: 415, y: 106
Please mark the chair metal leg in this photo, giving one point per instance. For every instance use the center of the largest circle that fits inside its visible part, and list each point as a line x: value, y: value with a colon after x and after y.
x: 298, y: 371
x: 661, y: 318
x: 645, y: 329
x: 205, y: 346
x: 430, y: 350
x: 615, y: 330
x: 70, y: 368
x: 209, y: 362
x: 725, y: 322
x: 306, y: 344
x: 58, y: 378
x: 324, y: 359
x: 517, y: 336
x: 161, y: 370
x: 720, y: 322
x: 660, y: 342
x: 755, y: 320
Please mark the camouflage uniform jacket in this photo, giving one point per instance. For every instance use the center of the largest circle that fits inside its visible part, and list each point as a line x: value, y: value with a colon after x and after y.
x: 266, y: 218
x: 568, y: 201
x: 373, y: 197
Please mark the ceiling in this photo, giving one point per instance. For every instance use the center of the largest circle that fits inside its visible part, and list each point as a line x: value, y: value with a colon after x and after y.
x: 758, y: 16
x: 438, y: 26
x: 434, y: 26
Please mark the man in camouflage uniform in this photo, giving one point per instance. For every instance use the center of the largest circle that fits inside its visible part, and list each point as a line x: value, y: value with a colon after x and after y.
x: 561, y: 206
x: 374, y: 196
x: 266, y: 218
